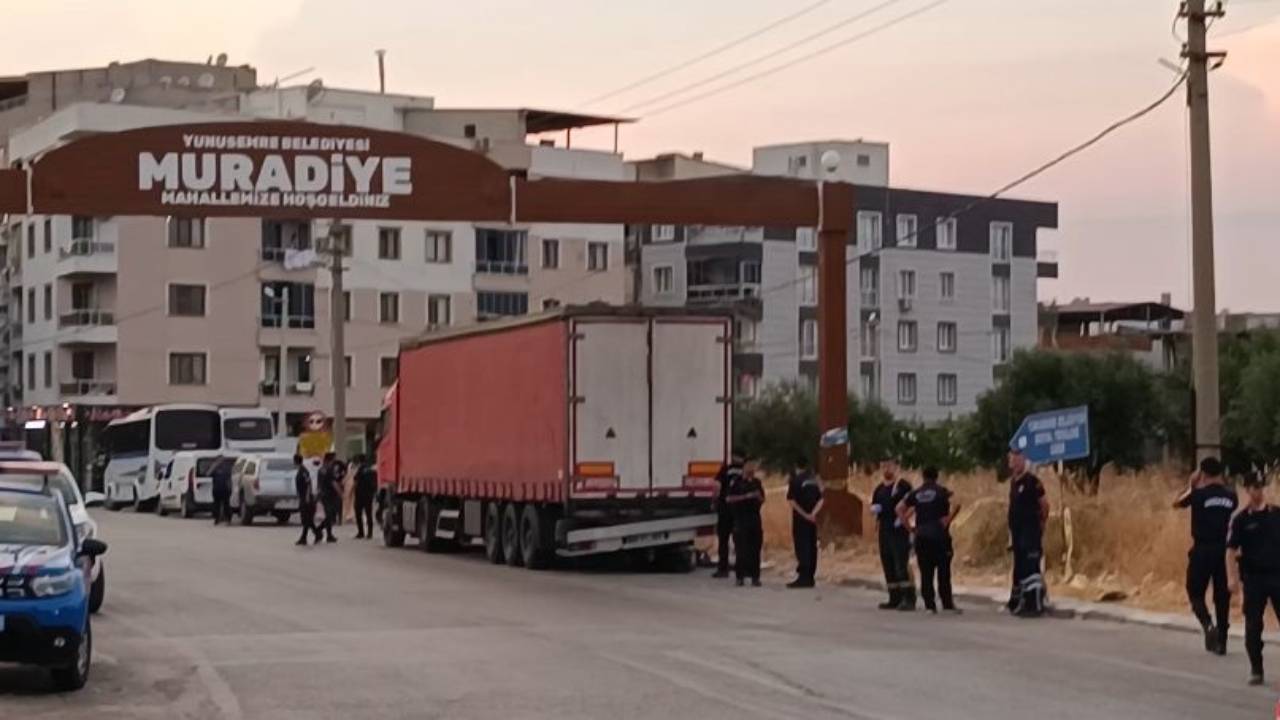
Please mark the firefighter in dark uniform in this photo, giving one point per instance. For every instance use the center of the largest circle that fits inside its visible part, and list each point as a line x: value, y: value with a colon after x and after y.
x: 746, y: 496
x: 366, y: 480
x: 724, y: 512
x: 932, y: 508
x: 1255, y: 547
x: 1028, y: 512
x: 804, y: 493
x: 306, y: 501
x: 1212, y: 504
x: 221, y: 476
x: 895, y: 542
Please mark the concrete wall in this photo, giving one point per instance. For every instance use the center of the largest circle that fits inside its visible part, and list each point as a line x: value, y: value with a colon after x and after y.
x: 497, y: 125
x: 778, y: 336
x: 804, y: 160
x: 670, y: 254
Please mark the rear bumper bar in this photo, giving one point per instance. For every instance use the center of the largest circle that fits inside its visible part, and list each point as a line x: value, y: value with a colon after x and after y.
x: 630, y: 536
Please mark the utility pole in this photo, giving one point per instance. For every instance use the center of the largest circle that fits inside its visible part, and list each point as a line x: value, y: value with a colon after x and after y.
x: 1204, y: 330
x: 382, y: 71
x: 338, y: 340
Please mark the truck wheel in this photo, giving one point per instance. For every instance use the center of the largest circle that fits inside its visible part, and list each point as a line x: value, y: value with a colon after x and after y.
x: 493, y: 532
x: 74, y: 676
x: 511, y: 535
x: 428, y: 516
x: 536, y: 541
x: 392, y: 535
x: 677, y: 559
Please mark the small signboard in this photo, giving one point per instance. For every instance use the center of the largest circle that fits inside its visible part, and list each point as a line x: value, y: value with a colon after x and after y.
x: 835, y: 437
x: 1054, y: 435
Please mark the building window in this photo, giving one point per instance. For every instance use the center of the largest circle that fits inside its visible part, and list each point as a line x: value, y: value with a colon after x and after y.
x: 48, y: 302
x: 597, y: 256
x: 550, y: 254
x: 31, y: 240
x: 806, y: 239
x: 187, y: 368
x: 388, y: 243
x: 501, y: 252
x: 870, y: 231
x: 663, y: 233
x: 185, y: 232
x: 947, y: 389
x: 869, y: 284
x: 48, y: 370
x: 81, y: 228
x: 1000, y: 349
x: 439, y: 246
x: 439, y: 311
x: 82, y: 365
x: 347, y: 372
x: 389, y: 308
x: 550, y: 303
x: 869, y: 335
x: 281, y: 236
x: 301, y: 312
x: 469, y: 131
x: 907, y: 285
x: 809, y: 339
x: 663, y: 279
x: 808, y: 285
x: 751, y: 272
x: 907, y: 230
x: 946, y: 286
x: 186, y: 300
x: 908, y: 336
x: 31, y: 371
x: 388, y: 370
x: 906, y: 388
x: 946, y: 233
x: 340, y: 239
x: 492, y: 304
x: 747, y: 385
x: 947, y: 334
x: 48, y: 235
x: 346, y: 306
x: 1000, y: 300
x: 744, y: 332
x: 863, y: 160
x: 31, y: 305
x: 1001, y: 241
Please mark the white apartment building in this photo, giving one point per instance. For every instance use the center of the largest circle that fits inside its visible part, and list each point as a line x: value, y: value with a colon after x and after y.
x: 935, y: 304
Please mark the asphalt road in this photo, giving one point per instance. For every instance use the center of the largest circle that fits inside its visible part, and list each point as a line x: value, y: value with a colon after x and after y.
x: 231, y: 623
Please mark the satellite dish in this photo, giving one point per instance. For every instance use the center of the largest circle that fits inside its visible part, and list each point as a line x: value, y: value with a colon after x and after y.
x: 117, y: 95
x: 314, y: 88
x: 221, y: 61
x: 205, y: 80
x: 184, y: 81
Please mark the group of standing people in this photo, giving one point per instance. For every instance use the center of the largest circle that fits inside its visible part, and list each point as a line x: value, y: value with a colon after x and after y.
x: 320, y: 497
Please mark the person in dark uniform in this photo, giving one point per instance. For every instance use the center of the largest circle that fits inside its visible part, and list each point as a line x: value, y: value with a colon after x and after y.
x: 1028, y: 511
x: 1255, y: 547
x: 330, y: 481
x: 804, y: 492
x: 366, y: 481
x: 931, y: 508
x: 1212, y: 504
x: 895, y: 543
x: 306, y: 501
x: 746, y: 496
x: 221, y: 477
x: 724, y: 512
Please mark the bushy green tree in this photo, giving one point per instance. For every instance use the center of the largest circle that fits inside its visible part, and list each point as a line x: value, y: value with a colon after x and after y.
x: 1251, y: 419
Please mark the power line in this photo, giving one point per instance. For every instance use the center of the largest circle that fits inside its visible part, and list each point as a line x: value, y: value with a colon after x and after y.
x: 765, y: 57
x: 710, y: 53
x: 804, y: 58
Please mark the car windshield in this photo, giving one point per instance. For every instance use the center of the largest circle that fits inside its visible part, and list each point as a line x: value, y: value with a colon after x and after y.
x: 247, y: 429
x: 57, y: 482
x: 30, y: 520
x: 205, y: 466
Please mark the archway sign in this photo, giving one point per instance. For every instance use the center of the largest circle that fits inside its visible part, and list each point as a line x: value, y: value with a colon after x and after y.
x: 291, y: 170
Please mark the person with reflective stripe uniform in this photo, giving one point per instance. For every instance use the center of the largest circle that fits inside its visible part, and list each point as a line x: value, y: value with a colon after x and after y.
x: 804, y: 493
x: 724, y: 512
x: 746, y: 496
x: 1028, y: 512
x: 1254, y: 545
x: 1212, y: 504
x: 895, y: 543
x: 931, y: 508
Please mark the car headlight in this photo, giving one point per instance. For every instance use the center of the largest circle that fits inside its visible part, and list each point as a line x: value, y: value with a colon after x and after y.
x: 50, y: 585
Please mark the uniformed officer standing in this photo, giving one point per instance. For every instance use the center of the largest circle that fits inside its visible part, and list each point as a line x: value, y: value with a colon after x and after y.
x: 724, y: 512
x: 746, y: 496
x: 895, y: 542
x: 221, y: 476
x: 1028, y: 511
x: 306, y: 501
x: 1255, y: 546
x: 932, y: 507
x: 1212, y: 503
x: 804, y: 493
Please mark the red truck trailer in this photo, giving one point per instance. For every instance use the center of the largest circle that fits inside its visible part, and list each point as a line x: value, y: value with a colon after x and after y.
x: 581, y: 431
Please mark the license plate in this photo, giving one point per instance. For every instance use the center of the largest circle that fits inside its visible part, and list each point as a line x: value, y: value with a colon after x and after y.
x: 287, y: 505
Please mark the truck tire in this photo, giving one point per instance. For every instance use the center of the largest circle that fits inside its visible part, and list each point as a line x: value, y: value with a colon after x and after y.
x: 537, y: 537
x: 392, y: 532
x: 511, y: 535
x: 428, y: 516
x: 493, y: 532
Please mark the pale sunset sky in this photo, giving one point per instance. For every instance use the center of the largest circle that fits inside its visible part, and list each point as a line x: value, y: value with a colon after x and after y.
x: 969, y: 94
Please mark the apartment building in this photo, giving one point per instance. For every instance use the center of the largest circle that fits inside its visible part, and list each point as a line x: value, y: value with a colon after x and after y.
x: 941, y: 286
x: 106, y: 314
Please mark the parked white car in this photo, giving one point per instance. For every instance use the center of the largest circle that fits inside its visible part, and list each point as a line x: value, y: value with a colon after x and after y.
x: 262, y: 483
x: 60, y: 478
x: 187, y: 484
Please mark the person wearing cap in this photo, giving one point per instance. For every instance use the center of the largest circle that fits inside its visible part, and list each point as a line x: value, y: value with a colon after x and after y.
x: 931, y: 508
x: 729, y: 473
x: 895, y: 542
x: 1212, y: 504
x: 804, y: 493
x: 1254, y: 546
x: 1028, y: 512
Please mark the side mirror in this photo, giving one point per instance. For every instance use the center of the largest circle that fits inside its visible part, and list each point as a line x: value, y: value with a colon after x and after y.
x: 93, y: 547
x: 94, y: 499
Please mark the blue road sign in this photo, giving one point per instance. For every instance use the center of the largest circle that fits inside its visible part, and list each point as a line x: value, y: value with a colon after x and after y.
x: 1054, y: 435
x: 835, y: 437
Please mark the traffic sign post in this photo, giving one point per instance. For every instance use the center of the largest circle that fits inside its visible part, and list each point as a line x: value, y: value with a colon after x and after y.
x: 1053, y: 436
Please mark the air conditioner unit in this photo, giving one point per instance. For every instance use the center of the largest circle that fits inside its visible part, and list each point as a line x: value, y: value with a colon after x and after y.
x: 904, y: 304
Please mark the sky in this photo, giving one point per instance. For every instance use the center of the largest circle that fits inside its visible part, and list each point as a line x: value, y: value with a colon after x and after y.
x: 969, y: 93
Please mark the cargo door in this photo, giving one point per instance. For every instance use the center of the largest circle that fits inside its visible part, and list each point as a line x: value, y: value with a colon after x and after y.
x: 610, y: 406
x: 690, y: 402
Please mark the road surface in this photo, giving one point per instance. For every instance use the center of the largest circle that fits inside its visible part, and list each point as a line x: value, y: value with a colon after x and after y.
x: 229, y: 623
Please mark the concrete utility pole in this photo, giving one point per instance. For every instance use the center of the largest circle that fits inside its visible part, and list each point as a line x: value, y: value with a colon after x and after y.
x: 338, y: 342
x: 382, y: 71
x: 1204, y: 331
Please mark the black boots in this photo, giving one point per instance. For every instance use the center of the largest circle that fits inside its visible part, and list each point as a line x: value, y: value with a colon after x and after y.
x: 895, y: 599
x: 908, y: 600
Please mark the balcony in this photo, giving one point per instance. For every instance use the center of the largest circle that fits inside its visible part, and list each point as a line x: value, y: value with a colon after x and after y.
x: 302, y: 388
x: 88, y: 326
x: 86, y: 388
x: 86, y: 255
x: 269, y: 388
x: 870, y: 299
x: 85, y: 317
x: 501, y: 267
x: 725, y: 292
x: 1047, y: 264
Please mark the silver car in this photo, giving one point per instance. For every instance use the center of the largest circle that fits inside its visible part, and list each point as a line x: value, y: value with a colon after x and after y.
x: 262, y: 483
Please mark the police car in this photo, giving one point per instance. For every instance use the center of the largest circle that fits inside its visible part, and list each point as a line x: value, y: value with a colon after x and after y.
x: 44, y: 584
